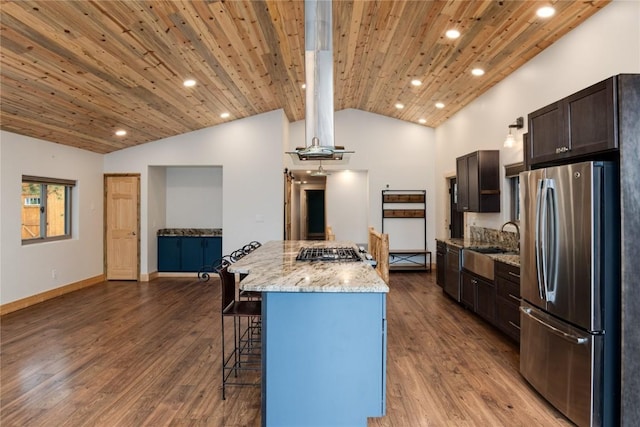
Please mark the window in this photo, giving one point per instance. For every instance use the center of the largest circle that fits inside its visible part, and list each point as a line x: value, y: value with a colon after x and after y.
x: 511, y: 173
x: 514, y: 183
x: 46, y: 209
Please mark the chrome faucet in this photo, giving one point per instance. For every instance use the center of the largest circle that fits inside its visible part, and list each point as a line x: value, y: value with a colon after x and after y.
x: 517, y: 231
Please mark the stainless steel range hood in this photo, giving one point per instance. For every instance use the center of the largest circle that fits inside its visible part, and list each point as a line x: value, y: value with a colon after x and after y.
x: 318, y: 58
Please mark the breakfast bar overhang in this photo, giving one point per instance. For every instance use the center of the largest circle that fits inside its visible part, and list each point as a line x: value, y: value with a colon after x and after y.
x: 323, y: 336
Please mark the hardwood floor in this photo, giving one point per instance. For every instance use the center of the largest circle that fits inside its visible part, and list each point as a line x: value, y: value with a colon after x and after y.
x: 133, y: 354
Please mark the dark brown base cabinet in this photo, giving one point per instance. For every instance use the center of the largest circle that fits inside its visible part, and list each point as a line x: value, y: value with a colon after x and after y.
x: 497, y: 301
x: 508, y: 299
x: 479, y: 295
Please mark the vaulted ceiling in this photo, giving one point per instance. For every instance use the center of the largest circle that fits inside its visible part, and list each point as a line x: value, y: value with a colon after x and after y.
x: 73, y: 72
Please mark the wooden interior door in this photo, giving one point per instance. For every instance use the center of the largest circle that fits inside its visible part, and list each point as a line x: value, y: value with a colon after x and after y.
x: 122, y: 226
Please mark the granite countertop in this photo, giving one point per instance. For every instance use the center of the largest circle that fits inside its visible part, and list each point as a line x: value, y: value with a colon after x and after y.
x: 507, y: 258
x: 191, y: 232
x: 273, y: 268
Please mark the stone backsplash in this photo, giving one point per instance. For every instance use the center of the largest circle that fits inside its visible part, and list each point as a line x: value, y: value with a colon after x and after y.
x: 503, y: 239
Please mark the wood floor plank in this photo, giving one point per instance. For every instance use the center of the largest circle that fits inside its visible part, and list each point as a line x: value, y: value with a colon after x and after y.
x: 136, y: 354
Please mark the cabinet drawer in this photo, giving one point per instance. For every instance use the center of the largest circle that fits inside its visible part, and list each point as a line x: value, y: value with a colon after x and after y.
x: 508, y: 271
x: 508, y: 289
x: 508, y: 318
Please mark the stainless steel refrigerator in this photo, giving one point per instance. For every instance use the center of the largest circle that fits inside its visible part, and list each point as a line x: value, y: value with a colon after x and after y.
x: 570, y: 285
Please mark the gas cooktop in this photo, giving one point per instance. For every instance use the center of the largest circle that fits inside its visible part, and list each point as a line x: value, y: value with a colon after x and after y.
x: 328, y: 254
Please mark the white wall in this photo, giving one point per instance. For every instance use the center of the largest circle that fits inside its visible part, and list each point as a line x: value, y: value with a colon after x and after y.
x: 156, y: 210
x: 347, y: 205
x: 606, y: 44
x: 250, y: 151
x: 26, y: 270
x: 194, y: 197
x: 392, y: 152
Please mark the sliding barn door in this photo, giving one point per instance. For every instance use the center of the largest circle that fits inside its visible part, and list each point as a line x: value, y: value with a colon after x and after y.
x: 122, y: 229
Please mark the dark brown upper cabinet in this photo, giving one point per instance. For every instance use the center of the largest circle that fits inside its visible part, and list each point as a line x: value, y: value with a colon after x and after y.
x: 478, y: 178
x: 579, y: 125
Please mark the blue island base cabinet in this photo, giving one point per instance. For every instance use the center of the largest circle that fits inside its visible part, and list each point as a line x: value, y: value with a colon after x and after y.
x: 324, y: 358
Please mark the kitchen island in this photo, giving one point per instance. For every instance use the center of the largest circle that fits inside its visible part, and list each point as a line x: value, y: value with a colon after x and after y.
x: 323, y: 336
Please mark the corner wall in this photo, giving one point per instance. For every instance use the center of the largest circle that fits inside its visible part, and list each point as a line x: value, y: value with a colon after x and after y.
x: 26, y: 270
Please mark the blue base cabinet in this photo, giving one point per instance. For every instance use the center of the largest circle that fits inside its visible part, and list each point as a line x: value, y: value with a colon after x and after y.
x: 187, y: 254
x: 324, y: 358
x: 169, y: 253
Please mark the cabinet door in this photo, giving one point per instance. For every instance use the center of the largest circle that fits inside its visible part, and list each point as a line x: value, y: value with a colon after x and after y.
x: 467, y: 293
x: 168, y: 253
x: 546, y: 134
x: 474, y: 182
x: 592, y: 124
x: 191, y: 255
x: 485, y: 300
x: 212, y: 249
x: 508, y: 318
x: 462, y: 179
x: 488, y: 179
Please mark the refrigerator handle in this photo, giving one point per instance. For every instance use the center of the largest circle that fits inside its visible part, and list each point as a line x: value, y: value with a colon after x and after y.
x: 539, y: 246
x: 551, y: 262
x: 568, y: 337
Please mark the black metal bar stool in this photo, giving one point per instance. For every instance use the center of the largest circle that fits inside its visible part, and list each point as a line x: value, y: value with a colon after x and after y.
x: 247, y: 347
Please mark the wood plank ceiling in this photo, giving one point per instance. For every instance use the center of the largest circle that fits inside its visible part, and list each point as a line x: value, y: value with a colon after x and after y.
x: 73, y: 72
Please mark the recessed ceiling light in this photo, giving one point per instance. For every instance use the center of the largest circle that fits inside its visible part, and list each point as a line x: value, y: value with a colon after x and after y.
x: 189, y: 83
x: 399, y: 106
x: 422, y: 121
x: 452, y: 34
x: 546, y: 12
x: 304, y: 86
x: 477, y: 72
x: 439, y: 105
x: 121, y: 132
x: 416, y: 82
x: 225, y: 115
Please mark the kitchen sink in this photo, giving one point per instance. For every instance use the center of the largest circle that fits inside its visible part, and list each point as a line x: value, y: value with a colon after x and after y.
x: 478, y: 263
x: 476, y: 259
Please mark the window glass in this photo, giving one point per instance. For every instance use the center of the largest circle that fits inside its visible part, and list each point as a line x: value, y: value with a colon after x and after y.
x: 31, y: 210
x: 56, y: 212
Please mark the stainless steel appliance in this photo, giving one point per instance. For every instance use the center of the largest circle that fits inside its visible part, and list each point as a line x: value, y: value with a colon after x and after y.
x: 452, y: 277
x: 570, y: 284
x: 328, y: 254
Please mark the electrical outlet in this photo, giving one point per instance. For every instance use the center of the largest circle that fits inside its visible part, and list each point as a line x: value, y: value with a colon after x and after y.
x: 54, y: 273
